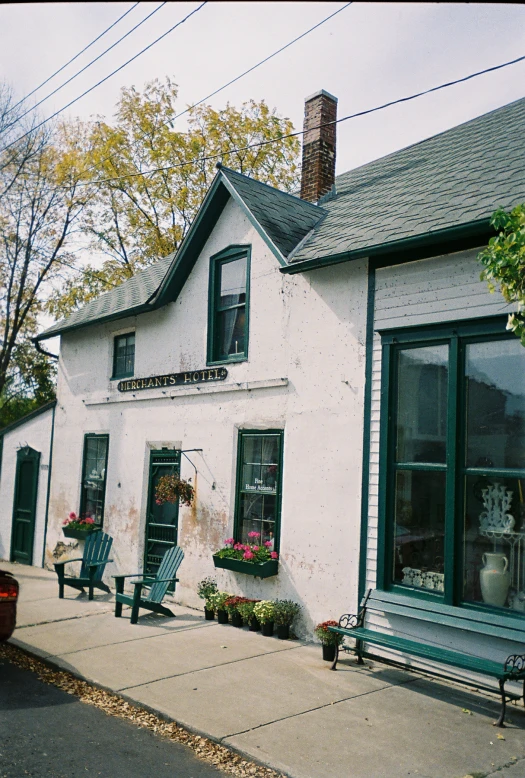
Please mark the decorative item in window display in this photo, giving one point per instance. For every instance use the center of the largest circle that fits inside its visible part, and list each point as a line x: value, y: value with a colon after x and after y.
x: 171, y: 488
x: 494, y: 578
x: 497, y: 500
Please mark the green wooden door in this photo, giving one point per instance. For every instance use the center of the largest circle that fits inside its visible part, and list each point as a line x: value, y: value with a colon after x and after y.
x: 24, y: 505
x: 161, y: 520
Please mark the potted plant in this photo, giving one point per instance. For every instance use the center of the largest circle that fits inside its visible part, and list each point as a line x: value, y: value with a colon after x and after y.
x: 264, y: 613
x: 171, y: 488
x: 285, y: 612
x: 217, y: 601
x: 250, y: 558
x: 205, y: 589
x: 231, y: 606
x: 75, y: 527
x: 329, y: 640
x: 246, y: 609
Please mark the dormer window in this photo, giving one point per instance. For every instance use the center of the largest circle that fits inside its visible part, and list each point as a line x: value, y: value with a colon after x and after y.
x: 229, y: 294
x: 124, y: 356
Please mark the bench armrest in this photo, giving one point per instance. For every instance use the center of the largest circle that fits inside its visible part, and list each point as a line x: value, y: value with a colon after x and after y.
x: 151, y: 581
x: 515, y: 665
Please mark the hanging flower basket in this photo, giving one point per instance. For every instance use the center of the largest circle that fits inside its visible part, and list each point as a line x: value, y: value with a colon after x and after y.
x: 171, y: 488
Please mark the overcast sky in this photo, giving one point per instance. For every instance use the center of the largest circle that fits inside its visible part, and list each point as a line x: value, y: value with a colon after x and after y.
x: 368, y: 54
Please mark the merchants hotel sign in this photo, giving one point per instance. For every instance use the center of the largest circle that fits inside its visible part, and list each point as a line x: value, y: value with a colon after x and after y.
x: 173, y: 379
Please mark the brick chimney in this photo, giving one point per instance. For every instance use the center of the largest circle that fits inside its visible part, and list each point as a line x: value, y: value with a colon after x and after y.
x: 318, y: 172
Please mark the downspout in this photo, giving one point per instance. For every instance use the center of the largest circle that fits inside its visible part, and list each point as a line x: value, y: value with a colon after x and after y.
x: 50, y: 463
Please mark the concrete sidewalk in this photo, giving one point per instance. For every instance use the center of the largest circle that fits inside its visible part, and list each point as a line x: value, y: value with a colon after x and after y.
x: 275, y: 701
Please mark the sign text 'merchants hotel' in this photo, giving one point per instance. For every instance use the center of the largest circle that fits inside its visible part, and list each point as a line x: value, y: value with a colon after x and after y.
x: 173, y: 379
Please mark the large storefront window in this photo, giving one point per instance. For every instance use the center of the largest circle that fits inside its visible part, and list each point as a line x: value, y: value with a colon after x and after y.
x: 453, y: 465
x: 93, y: 486
x: 259, y: 475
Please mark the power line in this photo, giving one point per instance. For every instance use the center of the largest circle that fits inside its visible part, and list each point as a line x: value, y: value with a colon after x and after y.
x: 210, y: 157
x: 212, y: 94
x: 75, y: 57
x: 86, y: 66
x: 106, y: 77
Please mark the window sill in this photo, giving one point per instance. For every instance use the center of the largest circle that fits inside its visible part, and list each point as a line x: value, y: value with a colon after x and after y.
x: 261, y: 570
x: 121, y: 377
x: 229, y: 361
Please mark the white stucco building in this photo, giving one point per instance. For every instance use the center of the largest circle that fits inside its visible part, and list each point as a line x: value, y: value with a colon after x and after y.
x: 330, y: 372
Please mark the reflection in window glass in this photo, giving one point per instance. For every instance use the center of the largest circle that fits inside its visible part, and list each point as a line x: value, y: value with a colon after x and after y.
x: 258, y: 488
x: 495, y: 394
x: 94, y: 477
x: 231, y: 309
x: 422, y: 404
x: 124, y: 356
x: 419, y: 529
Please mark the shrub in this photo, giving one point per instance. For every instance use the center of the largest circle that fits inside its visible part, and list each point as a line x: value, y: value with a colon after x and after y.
x: 264, y: 611
x: 285, y: 612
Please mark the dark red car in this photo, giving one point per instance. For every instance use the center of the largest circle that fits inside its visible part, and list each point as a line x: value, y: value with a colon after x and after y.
x: 8, y: 600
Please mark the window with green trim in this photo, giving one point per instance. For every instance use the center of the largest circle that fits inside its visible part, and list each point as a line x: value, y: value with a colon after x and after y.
x: 93, y: 485
x: 259, y: 479
x: 124, y: 356
x: 452, y: 465
x: 228, y: 305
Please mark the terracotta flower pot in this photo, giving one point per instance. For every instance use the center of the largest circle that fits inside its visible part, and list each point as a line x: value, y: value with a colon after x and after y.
x: 222, y: 617
x: 209, y: 615
x: 328, y: 652
x: 267, y: 629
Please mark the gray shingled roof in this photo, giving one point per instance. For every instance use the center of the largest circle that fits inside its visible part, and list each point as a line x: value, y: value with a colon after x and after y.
x: 129, y: 295
x: 285, y: 218
x: 459, y: 176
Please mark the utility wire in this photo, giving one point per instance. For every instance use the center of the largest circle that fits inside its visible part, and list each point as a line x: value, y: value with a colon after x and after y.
x: 209, y: 157
x: 72, y: 102
x: 254, y: 67
x: 75, y: 57
x: 86, y: 66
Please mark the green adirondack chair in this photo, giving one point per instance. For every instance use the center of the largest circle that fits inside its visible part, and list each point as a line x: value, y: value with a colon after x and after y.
x: 96, y: 556
x: 157, y: 585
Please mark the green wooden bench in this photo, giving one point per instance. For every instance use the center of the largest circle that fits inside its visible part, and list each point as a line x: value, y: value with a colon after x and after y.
x: 95, y: 558
x: 157, y: 585
x: 511, y: 669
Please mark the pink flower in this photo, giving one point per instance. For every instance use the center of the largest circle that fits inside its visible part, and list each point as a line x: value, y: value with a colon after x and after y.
x: 229, y: 541
x: 268, y: 543
x: 238, y: 547
x: 248, y: 555
x: 255, y: 548
x: 72, y: 515
x: 158, y: 502
x: 66, y: 521
x: 89, y: 520
x: 274, y: 555
x: 253, y: 534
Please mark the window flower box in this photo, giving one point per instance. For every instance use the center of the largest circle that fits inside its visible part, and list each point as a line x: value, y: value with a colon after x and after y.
x: 259, y: 569
x: 75, y: 527
x: 79, y: 534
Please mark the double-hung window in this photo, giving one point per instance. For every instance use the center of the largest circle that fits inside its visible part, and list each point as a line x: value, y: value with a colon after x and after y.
x: 124, y: 356
x: 259, y: 479
x: 229, y: 299
x: 93, y: 485
x: 452, y: 465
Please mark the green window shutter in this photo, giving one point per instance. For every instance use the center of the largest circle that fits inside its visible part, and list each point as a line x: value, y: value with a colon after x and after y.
x: 124, y: 356
x: 259, y: 486
x: 94, y: 474
x: 452, y: 465
x: 229, y: 306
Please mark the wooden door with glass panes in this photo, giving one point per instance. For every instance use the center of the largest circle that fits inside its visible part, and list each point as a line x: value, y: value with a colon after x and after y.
x: 161, y: 520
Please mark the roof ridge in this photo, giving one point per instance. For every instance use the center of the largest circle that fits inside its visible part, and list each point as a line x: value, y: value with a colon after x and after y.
x: 296, y: 199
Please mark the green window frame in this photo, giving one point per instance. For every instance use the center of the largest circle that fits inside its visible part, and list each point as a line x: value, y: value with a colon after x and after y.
x: 228, y: 315
x: 94, y: 477
x: 439, y: 467
x: 123, y: 356
x: 259, y: 485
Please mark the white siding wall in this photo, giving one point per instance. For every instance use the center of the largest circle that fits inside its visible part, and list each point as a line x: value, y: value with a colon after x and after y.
x: 35, y: 433
x: 305, y: 374
x: 429, y: 291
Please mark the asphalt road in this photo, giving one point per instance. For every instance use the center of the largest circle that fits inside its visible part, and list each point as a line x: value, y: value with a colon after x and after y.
x: 47, y: 733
